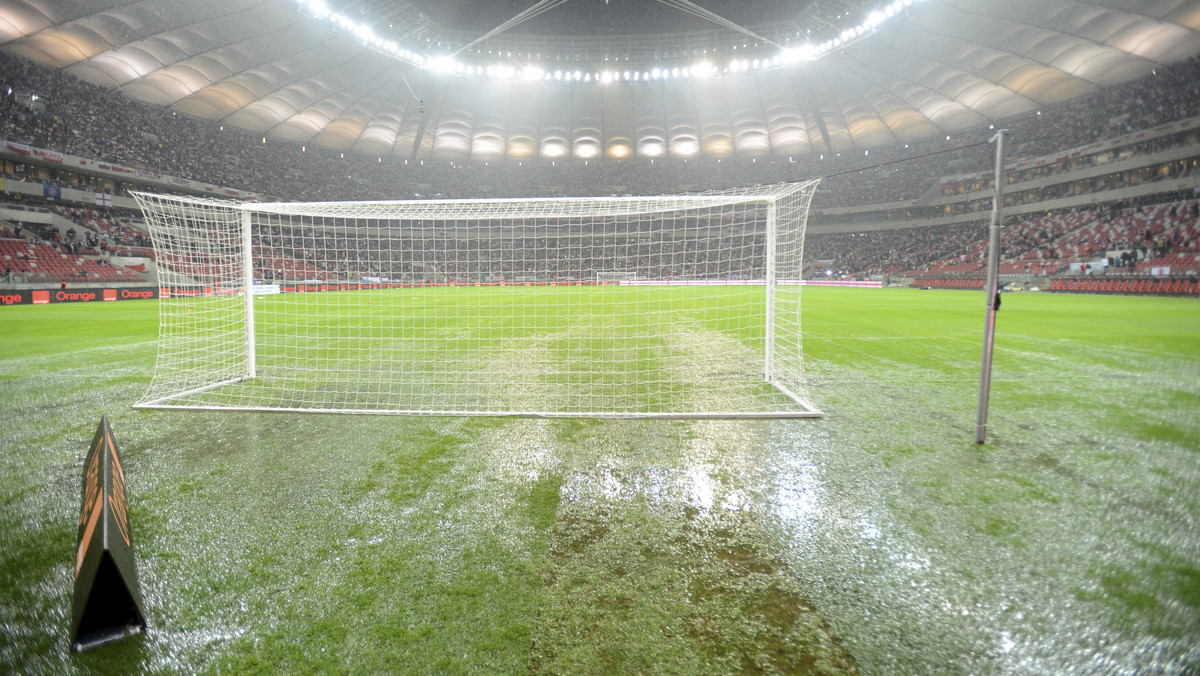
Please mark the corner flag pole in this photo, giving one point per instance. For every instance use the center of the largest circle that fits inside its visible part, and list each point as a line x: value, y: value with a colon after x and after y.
x: 992, y: 286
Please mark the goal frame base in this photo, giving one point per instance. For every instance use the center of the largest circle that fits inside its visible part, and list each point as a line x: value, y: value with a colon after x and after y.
x: 601, y: 415
x: 806, y: 410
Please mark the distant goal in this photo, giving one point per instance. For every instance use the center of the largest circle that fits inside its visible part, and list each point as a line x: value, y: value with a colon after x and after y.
x: 671, y: 306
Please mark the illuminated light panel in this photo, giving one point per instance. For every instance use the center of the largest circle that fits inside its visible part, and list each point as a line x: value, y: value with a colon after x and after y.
x: 685, y: 148
x: 652, y: 149
x: 620, y: 152
x: 518, y: 150
x: 554, y: 150
x: 443, y: 64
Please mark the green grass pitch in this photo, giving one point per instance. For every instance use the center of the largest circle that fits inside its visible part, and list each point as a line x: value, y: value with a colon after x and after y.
x: 586, y: 350
x: 879, y: 539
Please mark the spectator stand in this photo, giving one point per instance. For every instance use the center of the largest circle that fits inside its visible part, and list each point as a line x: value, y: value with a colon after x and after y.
x: 1067, y: 220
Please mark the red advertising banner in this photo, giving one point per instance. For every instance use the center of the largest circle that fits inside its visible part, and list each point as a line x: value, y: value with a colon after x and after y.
x: 47, y: 296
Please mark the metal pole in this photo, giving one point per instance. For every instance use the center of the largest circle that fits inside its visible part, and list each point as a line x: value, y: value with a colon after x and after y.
x: 992, y: 286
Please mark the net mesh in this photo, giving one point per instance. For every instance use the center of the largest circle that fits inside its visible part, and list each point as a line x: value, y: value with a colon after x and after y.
x: 672, y: 306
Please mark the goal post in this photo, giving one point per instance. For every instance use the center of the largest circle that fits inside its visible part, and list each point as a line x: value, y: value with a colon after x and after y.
x: 200, y: 253
x: 248, y: 289
x: 669, y: 306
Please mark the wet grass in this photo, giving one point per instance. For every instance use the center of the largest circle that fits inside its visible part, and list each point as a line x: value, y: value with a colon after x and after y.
x: 635, y: 589
x: 878, y: 540
x: 597, y: 349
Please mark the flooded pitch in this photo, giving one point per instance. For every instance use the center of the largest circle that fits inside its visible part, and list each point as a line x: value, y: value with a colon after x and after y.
x: 878, y: 540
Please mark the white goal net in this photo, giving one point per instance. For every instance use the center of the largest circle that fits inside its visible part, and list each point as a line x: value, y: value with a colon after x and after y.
x: 671, y: 306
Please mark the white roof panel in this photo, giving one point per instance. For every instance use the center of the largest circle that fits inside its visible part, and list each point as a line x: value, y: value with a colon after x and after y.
x: 259, y: 64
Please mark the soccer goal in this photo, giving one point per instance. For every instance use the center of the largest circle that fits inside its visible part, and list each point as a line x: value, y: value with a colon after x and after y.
x: 616, y: 276
x: 673, y: 306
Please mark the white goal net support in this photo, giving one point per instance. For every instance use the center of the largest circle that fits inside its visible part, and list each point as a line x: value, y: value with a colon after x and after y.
x: 672, y: 306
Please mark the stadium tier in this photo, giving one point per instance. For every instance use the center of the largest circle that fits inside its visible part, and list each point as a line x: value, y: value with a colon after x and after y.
x: 1088, y: 180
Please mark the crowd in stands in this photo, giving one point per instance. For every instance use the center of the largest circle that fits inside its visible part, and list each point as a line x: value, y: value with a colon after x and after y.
x: 35, y: 261
x: 1144, y: 235
x: 428, y: 254
x: 78, y: 118
x: 1122, y: 239
x: 1130, y: 238
x: 82, y: 252
x: 881, y: 252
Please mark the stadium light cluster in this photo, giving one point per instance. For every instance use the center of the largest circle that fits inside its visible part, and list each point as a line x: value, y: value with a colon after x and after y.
x: 513, y: 70
x: 364, y: 33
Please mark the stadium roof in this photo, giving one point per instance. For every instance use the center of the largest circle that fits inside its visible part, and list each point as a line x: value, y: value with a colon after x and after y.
x: 602, y: 78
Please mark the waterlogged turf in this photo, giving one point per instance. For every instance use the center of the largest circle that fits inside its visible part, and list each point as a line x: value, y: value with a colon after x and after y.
x: 495, y: 350
x: 879, y: 539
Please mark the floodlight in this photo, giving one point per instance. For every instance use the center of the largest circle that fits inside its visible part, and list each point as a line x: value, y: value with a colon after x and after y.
x: 441, y: 64
x: 688, y: 148
x: 805, y: 52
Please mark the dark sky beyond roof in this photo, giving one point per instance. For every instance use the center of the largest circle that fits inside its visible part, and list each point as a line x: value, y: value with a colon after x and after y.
x: 602, y: 17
